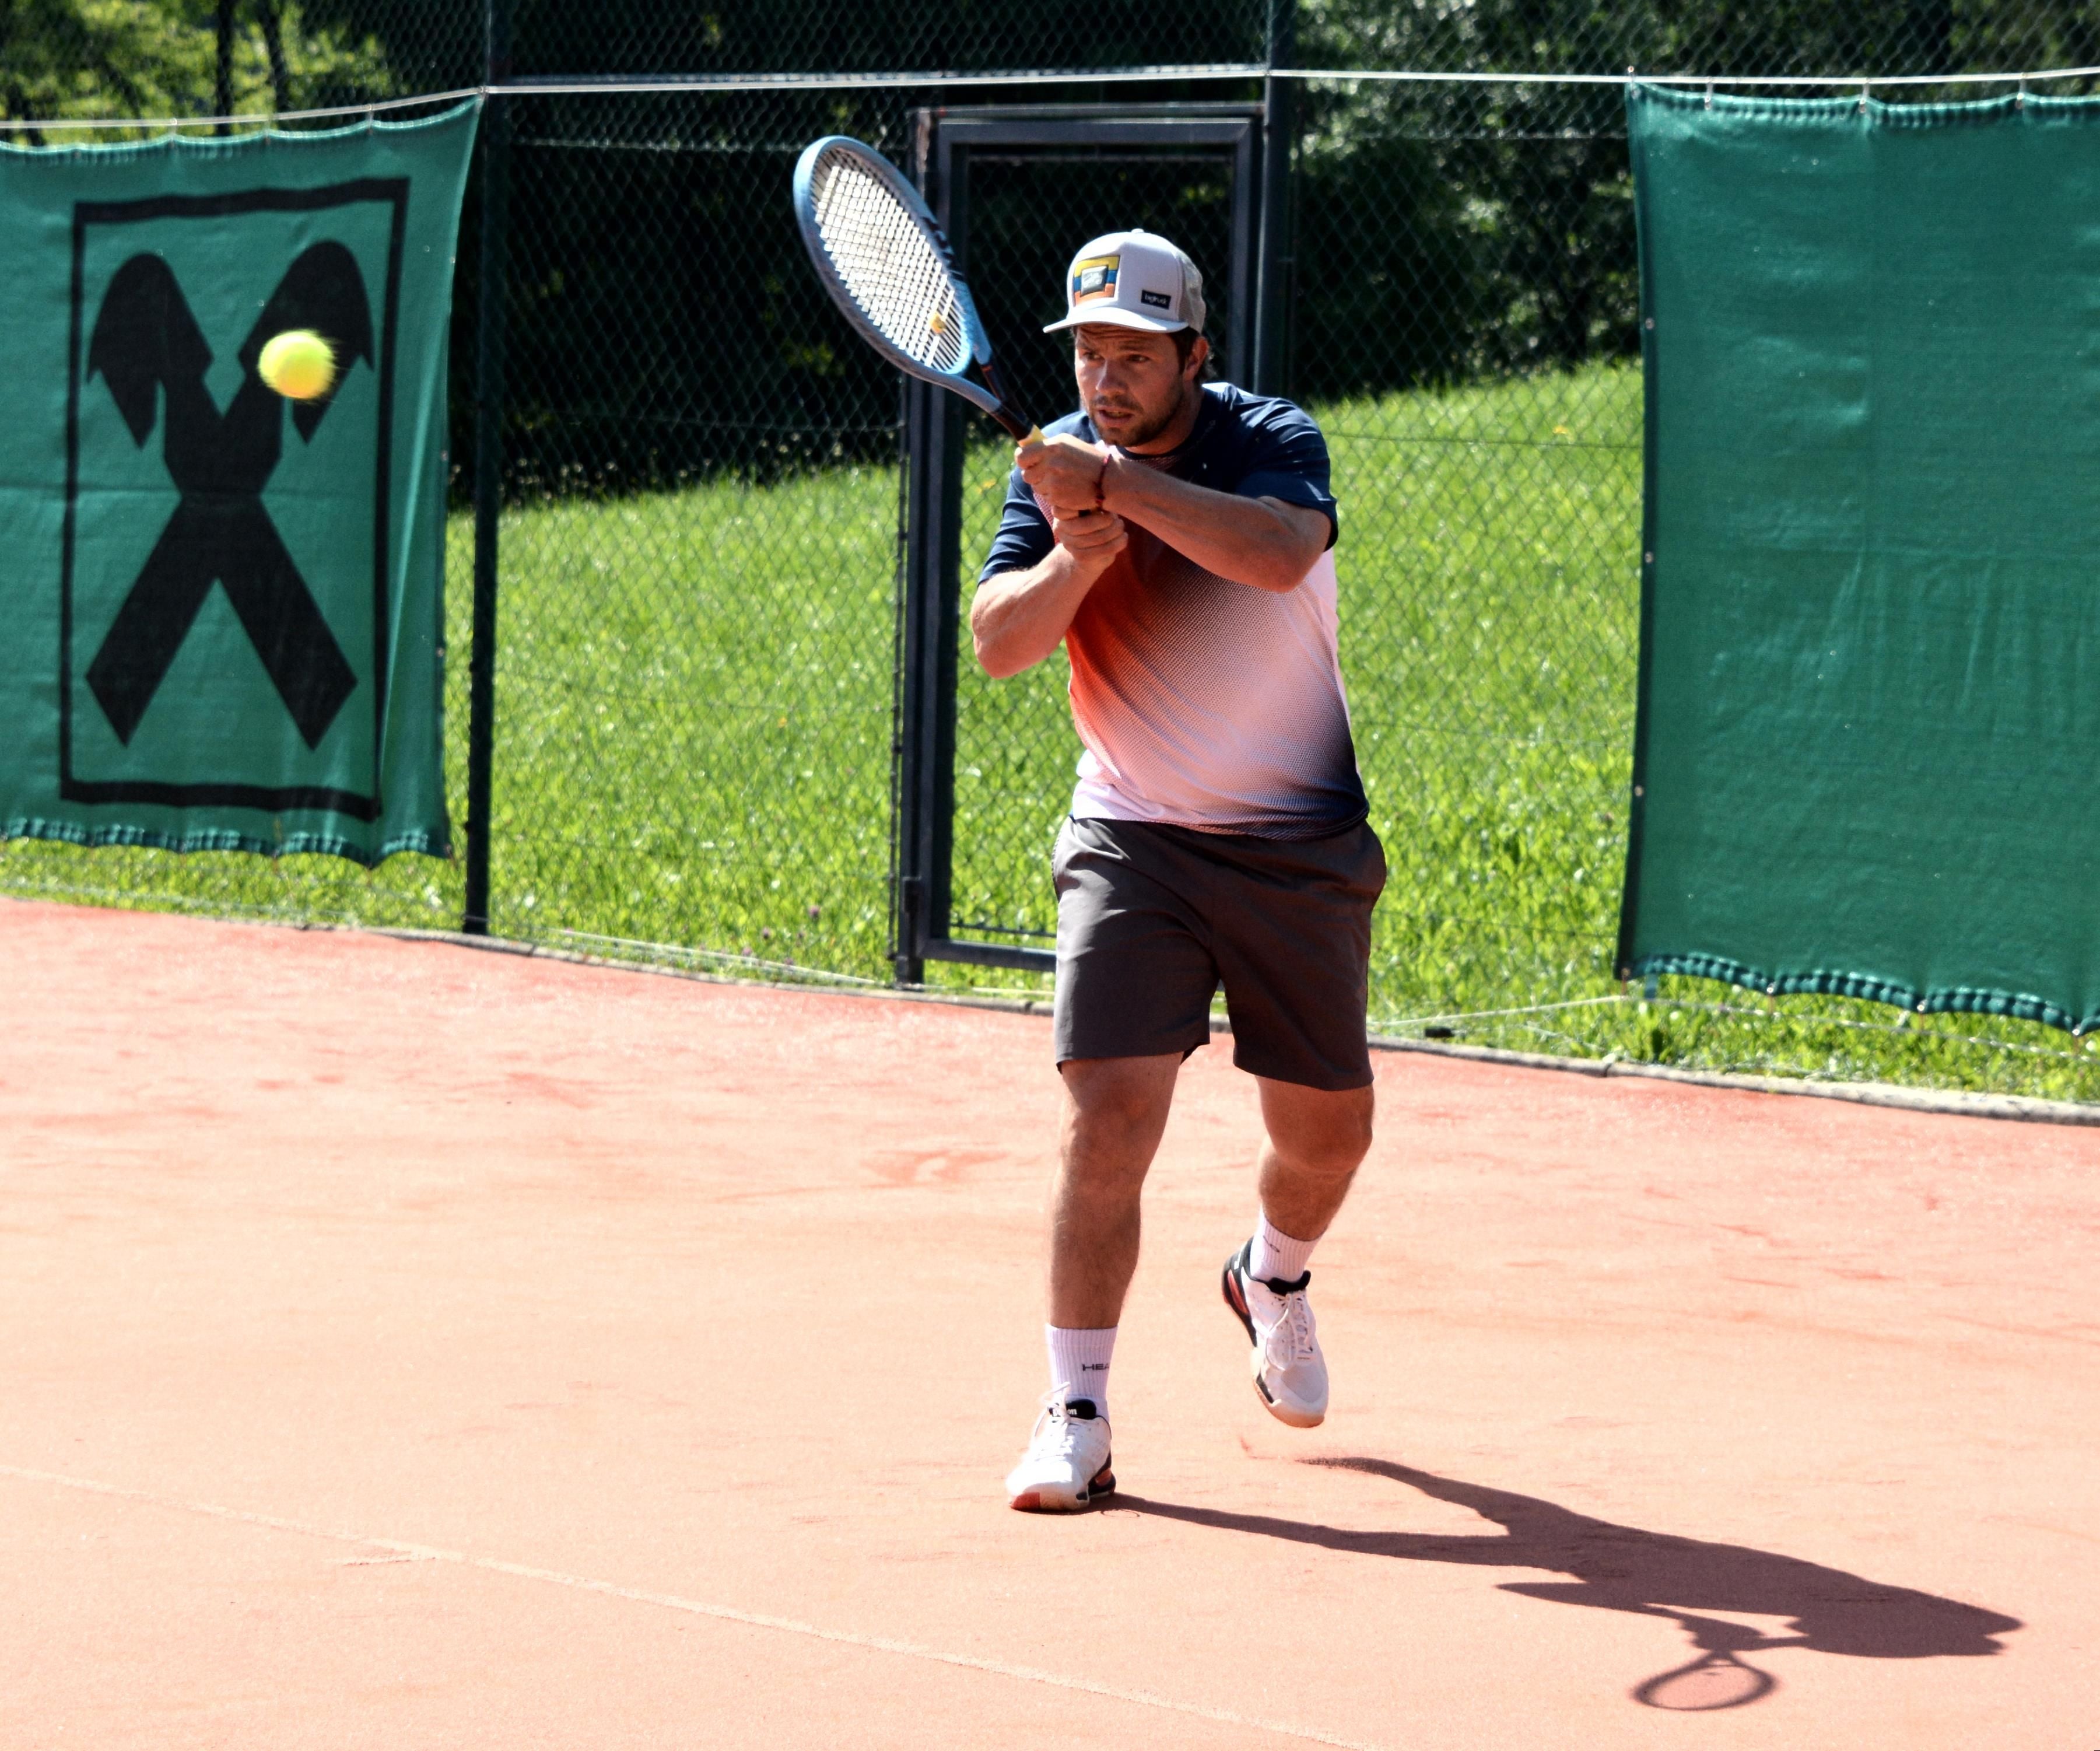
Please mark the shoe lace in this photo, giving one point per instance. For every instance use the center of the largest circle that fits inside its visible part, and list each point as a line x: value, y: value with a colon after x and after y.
x: 1289, y: 1342
x: 1055, y: 1432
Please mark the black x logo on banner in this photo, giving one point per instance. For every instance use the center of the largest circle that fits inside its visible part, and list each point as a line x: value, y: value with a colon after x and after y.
x: 147, y: 340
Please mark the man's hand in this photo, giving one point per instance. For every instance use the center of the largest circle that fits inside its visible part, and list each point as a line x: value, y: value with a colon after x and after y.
x: 1092, y: 488
x: 1093, y: 538
x: 1020, y: 617
x: 1066, y: 473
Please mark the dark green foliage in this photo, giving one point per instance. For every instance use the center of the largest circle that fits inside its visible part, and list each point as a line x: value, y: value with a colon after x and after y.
x: 1444, y: 232
x: 1833, y: 38
x: 82, y: 58
x: 664, y: 322
x: 760, y: 35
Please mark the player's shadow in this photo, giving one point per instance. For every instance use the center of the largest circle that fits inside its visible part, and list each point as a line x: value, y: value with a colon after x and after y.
x: 1653, y: 1574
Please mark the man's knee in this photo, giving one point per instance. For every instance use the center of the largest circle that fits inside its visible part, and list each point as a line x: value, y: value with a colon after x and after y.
x: 1337, y: 1152
x: 1356, y: 1124
x: 1322, y: 1131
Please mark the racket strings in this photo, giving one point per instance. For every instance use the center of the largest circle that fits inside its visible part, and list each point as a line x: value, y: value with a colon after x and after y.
x: 889, y: 261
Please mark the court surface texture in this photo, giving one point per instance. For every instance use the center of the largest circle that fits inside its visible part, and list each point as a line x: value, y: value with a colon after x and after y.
x: 406, y: 1345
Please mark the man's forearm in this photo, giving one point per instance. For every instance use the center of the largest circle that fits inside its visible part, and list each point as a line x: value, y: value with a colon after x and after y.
x: 1018, y: 618
x: 1263, y: 542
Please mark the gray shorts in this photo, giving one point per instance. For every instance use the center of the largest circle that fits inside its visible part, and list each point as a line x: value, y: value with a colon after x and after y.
x: 1151, y: 919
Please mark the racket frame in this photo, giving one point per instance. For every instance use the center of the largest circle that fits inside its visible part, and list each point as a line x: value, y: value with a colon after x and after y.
x: 987, y: 396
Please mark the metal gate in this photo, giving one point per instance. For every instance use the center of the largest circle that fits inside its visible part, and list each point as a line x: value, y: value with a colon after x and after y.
x: 1018, y: 190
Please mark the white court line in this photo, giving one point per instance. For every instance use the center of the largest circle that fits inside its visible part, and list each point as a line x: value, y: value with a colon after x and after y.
x: 881, y: 1644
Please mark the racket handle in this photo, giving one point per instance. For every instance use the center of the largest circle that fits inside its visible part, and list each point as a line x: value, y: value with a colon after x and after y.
x: 1018, y: 426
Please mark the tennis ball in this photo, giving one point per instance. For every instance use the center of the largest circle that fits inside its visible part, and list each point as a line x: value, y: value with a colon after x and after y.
x: 298, y: 364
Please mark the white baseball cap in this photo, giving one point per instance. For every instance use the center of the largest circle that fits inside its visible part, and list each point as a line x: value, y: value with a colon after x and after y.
x: 1132, y: 279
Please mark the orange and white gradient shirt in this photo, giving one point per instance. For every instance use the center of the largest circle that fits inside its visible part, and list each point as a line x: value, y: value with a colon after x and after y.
x: 1203, y: 703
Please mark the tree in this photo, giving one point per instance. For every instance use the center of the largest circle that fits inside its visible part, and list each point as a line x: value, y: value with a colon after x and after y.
x: 79, y: 60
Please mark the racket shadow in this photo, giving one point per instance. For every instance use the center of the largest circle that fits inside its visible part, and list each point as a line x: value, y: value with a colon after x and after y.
x: 1627, y: 1569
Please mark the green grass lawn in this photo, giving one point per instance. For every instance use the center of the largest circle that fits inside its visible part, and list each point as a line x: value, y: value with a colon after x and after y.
x: 694, y: 748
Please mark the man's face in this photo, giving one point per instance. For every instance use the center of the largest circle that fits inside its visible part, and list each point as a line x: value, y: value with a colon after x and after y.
x: 1131, y: 383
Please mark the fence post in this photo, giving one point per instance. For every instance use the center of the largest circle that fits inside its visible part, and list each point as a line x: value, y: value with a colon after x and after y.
x: 907, y: 966
x: 1273, y: 273
x: 221, y: 83
x: 489, y: 319
x: 913, y: 829
x: 925, y: 781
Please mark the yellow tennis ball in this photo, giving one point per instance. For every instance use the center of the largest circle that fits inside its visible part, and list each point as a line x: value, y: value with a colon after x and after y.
x: 298, y: 364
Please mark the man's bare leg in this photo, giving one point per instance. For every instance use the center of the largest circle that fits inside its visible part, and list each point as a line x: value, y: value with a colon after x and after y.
x: 1115, y: 1110
x: 1317, y: 1138
x: 1315, y: 1141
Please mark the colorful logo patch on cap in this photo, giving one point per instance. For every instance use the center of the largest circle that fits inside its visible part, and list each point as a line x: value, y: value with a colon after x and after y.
x: 1094, y: 278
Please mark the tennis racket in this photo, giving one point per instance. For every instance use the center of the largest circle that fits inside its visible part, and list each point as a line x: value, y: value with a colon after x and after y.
x: 881, y: 255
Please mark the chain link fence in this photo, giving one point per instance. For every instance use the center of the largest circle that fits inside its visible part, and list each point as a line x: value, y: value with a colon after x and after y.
x: 71, y: 59
x: 699, y: 621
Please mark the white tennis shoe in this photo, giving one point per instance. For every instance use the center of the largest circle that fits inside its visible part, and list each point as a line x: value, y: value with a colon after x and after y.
x: 1066, y: 1465
x: 1290, y: 1372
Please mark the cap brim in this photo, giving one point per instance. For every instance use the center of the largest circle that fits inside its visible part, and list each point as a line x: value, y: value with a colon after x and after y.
x: 1116, y: 318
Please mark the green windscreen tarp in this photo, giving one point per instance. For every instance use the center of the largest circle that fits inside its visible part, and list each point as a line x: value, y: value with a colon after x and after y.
x: 1869, y: 751
x: 220, y: 612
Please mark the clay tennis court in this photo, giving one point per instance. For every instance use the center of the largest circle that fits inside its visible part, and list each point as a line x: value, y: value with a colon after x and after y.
x: 408, y: 1345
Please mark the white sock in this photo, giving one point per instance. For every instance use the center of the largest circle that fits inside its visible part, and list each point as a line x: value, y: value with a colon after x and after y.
x: 1080, y: 1361
x: 1276, y: 1255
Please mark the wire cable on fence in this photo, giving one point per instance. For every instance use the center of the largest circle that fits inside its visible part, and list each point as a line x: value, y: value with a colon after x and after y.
x: 614, y: 85
x: 728, y: 84
x: 713, y: 957
x: 1767, y: 1016
x: 1818, y: 81
x: 1524, y: 1009
x: 20, y: 125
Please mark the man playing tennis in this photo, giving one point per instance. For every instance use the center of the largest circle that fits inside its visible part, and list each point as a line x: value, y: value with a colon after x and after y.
x: 1175, y: 537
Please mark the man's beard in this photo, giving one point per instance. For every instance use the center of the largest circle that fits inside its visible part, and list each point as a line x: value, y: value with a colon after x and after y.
x: 1150, y: 428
